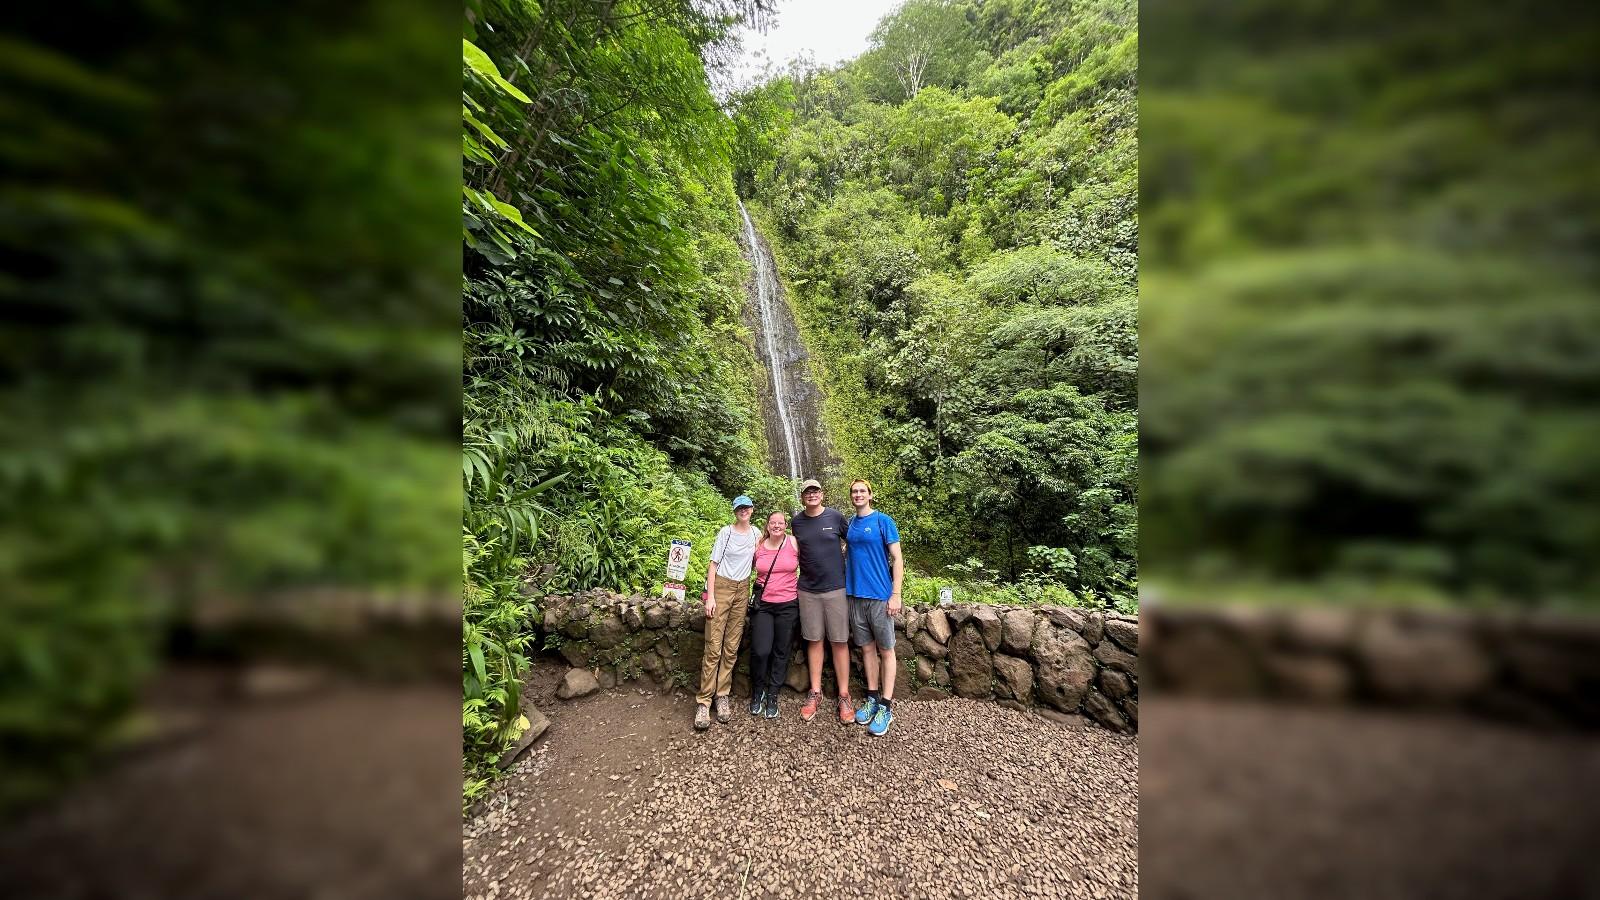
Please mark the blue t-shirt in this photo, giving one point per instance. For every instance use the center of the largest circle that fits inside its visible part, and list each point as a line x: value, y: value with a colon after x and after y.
x: 867, y: 569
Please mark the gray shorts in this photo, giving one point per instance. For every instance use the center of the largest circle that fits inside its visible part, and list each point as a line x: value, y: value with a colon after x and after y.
x: 824, y: 613
x: 870, y: 622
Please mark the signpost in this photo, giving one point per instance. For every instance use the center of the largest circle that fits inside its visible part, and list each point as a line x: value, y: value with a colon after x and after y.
x: 677, y: 569
x: 946, y: 596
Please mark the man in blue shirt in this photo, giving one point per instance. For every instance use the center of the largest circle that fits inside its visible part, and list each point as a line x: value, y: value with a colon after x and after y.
x: 873, y: 573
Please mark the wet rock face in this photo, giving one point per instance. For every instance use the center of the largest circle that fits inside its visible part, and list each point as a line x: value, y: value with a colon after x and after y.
x: 791, y: 404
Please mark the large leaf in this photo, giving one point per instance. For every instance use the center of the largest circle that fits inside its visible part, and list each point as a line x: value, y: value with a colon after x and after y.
x: 479, y: 62
x: 487, y: 132
x: 510, y: 212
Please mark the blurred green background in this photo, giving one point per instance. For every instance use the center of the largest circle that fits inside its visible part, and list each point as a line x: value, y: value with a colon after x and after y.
x: 1370, y: 341
x: 231, y: 346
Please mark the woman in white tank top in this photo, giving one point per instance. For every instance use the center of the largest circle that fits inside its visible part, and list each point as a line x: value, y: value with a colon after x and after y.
x: 726, y: 598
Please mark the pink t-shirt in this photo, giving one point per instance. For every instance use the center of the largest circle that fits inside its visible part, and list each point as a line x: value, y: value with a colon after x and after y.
x: 783, y: 585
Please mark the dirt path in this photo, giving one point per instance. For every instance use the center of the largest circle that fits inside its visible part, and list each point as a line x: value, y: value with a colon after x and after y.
x: 340, y: 790
x: 1250, y: 800
x: 623, y: 799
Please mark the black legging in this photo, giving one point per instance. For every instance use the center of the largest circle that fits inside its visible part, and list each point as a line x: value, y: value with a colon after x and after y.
x: 771, y: 640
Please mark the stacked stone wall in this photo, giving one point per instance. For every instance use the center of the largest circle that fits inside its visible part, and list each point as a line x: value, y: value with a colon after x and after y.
x: 1062, y: 659
x: 1533, y: 668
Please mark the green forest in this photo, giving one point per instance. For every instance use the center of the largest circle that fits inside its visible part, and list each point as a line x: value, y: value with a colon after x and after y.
x: 1368, y: 305
x: 954, y: 217
x: 229, y: 311
x: 606, y: 403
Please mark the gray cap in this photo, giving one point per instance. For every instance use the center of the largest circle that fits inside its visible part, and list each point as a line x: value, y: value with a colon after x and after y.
x: 810, y: 483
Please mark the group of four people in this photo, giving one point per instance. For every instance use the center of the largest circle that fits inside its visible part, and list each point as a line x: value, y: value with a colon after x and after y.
x: 839, y: 579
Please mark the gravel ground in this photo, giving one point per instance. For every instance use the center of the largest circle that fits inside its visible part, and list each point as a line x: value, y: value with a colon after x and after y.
x: 347, y: 790
x: 961, y: 799
x: 1248, y: 800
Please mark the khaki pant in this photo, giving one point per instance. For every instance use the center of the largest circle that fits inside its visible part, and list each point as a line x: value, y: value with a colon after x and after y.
x: 723, y: 631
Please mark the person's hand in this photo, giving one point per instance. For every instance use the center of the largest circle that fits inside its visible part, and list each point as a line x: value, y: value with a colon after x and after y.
x: 710, y: 603
x: 894, y: 604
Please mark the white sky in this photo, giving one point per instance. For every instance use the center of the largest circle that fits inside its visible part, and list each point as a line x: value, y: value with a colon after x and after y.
x: 832, y: 30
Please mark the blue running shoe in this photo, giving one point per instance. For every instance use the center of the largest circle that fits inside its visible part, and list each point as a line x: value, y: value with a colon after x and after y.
x: 864, y: 714
x: 880, y: 721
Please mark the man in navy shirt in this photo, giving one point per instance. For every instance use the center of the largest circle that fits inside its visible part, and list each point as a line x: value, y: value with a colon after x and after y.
x: 819, y: 533
x: 872, y: 581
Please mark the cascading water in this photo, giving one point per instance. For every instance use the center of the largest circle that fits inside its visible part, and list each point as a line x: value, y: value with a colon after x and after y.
x: 766, y: 300
x: 791, y: 402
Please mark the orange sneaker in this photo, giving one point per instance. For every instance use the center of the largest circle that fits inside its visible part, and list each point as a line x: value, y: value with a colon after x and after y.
x: 810, y: 709
x: 847, y: 713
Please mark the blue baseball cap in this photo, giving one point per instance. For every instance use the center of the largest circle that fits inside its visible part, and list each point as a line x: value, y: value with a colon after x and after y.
x: 742, y: 500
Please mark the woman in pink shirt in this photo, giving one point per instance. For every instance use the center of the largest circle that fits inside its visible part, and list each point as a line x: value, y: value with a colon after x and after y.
x: 776, y: 569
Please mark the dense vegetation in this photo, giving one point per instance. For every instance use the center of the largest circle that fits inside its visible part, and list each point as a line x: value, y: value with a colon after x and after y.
x: 1369, y: 301
x: 609, y: 393
x: 230, y: 338
x: 954, y: 214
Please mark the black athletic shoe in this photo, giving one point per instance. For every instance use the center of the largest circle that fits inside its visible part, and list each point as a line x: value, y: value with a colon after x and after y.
x: 757, y: 703
x: 772, y: 705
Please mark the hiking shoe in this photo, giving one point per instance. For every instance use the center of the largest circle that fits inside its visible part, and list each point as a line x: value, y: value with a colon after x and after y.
x: 722, y: 709
x: 880, y: 721
x: 813, y: 700
x: 772, y: 705
x: 758, y: 702
x: 702, y: 716
x: 847, y: 713
x: 867, y: 710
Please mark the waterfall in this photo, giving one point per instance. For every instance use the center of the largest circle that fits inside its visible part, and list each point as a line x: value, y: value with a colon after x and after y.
x: 767, y: 300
